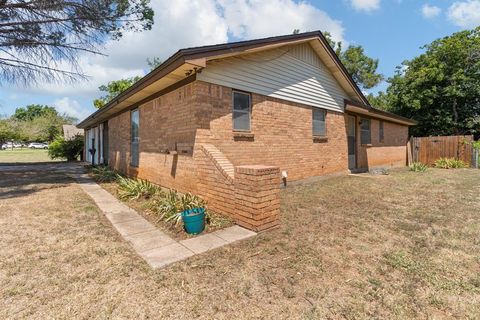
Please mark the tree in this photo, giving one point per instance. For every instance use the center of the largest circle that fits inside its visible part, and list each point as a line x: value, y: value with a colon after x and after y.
x: 32, y: 111
x: 441, y: 87
x: 36, y: 123
x: 115, y: 87
x: 7, y: 131
x: 379, y: 101
x: 361, y: 67
x: 38, y: 37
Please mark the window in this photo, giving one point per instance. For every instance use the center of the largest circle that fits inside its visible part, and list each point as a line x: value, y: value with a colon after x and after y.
x: 365, y: 136
x: 135, y: 124
x: 380, y: 132
x: 241, y: 111
x: 318, y: 121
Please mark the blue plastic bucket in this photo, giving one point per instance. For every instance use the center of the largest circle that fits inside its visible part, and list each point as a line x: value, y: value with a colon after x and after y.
x: 194, y: 220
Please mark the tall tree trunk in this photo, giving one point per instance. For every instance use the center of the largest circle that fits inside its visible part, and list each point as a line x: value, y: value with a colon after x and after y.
x: 455, y: 115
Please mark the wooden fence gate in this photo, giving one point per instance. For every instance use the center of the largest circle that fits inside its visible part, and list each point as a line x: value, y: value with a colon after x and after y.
x: 429, y: 149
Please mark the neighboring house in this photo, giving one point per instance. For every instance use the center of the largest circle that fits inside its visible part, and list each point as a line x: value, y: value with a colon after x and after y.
x: 70, y: 131
x: 285, y: 102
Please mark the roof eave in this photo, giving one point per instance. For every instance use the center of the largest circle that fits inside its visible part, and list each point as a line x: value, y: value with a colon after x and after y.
x: 368, y: 110
x: 192, y: 54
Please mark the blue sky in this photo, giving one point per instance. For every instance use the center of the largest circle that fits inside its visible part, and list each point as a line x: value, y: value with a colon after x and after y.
x: 390, y: 30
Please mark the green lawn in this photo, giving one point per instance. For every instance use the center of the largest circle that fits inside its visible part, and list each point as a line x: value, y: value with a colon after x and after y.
x: 24, y: 155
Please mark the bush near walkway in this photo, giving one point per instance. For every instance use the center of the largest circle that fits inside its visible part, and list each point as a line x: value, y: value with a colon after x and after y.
x: 66, y: 149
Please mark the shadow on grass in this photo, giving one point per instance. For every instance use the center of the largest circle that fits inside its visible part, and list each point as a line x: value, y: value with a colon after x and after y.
x: 19, y: 163
x: 19, y: 180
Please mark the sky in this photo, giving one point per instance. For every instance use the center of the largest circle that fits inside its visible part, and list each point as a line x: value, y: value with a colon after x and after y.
x: 389, y: 30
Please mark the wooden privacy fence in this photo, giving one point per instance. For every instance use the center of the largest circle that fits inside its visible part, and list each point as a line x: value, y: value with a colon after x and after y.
x: 429, y: 149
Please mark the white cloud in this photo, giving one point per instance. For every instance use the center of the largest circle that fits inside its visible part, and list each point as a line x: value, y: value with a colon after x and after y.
x: 186, y: 23
x: 71, y: 107
x: 366, y: 5
x: 178, y: 24
x: 248, y: 19
x: 430, y: 11
x: 465, y: 14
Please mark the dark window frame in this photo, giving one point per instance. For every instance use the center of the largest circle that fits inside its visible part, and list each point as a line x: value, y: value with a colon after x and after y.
x: 317, y: 134
x: 364, y: 131
x: 135, y: 141
x: 381, y: 131
x: 249, y: 111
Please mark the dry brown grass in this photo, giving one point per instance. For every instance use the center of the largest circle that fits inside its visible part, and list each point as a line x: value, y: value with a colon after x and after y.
x: 399, y: 246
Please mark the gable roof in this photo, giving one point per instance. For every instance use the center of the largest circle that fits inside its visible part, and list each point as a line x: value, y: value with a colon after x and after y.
x: 186, y: 62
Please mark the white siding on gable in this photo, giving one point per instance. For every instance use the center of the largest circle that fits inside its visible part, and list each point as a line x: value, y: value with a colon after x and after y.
x: 305, y: 53
x: 291, y: 73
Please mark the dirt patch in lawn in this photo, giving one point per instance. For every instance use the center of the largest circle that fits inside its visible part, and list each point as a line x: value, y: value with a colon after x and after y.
x: 402, y: 246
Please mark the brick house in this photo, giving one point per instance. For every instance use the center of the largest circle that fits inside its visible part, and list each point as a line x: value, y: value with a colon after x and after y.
x: 227, y: 121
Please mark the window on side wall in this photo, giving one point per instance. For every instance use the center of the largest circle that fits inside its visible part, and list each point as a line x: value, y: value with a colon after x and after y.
x: 135, y: 139
x: 242, y: 111
x: 319, y: 123
x: 365, y: 135
x: 381, y: 134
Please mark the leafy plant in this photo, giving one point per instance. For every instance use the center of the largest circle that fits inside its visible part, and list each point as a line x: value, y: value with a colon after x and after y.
x: 172, y: 205
x: 418, y: 167
x: 450, y: 163
x: 129, y: 189
x: 476, y: 145
x: 169, y: 208
x: 66, y: 149
x: 104, y: 174
x: 190, y: 201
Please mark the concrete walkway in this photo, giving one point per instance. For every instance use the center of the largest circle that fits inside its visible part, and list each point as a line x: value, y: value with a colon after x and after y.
x: 153, y: 245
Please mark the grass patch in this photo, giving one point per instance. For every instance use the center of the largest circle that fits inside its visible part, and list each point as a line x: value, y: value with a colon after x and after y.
x: 401, y: 246
x: 24, y: 155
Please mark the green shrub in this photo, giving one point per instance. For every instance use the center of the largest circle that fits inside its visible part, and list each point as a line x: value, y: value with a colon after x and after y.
x: 104, y: 174
x: 129, y: 189
x: 66, y: 149
x: 168, y: 207
x: 450, y: 163
x: 418, y: 167
x: 172, y: 205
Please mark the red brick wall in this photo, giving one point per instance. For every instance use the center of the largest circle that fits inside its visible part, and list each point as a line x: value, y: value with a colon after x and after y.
x: 281, y: 138
x: 166, y: 123
x: 213, y: 186
x: 119, y: 142
x: 392, y: 152
x: 282, y: 134
x: 257, y: 197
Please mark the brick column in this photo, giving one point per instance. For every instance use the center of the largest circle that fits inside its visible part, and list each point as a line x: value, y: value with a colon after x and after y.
x: 257, y: 196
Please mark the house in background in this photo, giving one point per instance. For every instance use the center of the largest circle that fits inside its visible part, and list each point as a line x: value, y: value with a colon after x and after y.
x: 70, y: 131
x: 283, y: 102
